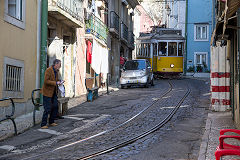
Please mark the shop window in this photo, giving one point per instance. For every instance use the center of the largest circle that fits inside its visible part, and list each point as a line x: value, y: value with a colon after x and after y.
x: 15, y: 12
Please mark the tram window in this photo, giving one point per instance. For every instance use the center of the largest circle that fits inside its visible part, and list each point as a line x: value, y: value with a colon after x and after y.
x: 142, y: 49
x: 137, y: 49
x: 162, y: 48
x: 149, y: 47
x: 172, y: 49
x: 180, y: 49
x: 155, y: 49
x: 145, y: 50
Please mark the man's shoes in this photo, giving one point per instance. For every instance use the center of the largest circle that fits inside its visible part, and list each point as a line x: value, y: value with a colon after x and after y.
x: 44, y: 127
x: 53, y: 124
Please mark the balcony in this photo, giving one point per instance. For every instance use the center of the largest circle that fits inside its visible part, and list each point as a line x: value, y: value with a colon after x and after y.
x: 124, y: 32
x: 96, y: 27
x: 67, y: 12
x: 131, y: 39
x: 114, y: 23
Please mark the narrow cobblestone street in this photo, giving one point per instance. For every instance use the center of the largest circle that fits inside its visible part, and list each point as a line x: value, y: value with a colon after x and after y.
x: 179, y: 139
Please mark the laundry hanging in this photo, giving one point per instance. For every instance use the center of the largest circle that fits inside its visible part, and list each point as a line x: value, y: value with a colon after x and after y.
x: 104, y: 62
x: 89, y: 52
x: 99, y: 58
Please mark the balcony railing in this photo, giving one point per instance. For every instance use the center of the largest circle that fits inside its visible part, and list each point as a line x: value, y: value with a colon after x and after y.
x: 131, y: 38
x: 73, y: 8
x: 114, y: 21
x: 124, y: 32
x: 96, y: 27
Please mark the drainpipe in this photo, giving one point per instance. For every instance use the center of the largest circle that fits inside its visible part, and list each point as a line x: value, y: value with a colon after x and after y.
x: 38, y: 45
x: 186, y: 23
x: 43, y: 57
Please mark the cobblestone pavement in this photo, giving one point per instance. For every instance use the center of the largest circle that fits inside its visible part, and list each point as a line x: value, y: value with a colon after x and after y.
x: 180, y: 139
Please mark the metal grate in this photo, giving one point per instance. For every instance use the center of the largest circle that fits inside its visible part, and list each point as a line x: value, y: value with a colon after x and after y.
x: 13, y: 78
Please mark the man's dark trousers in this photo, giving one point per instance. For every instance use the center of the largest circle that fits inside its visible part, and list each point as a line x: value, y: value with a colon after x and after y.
x: 50, y: 107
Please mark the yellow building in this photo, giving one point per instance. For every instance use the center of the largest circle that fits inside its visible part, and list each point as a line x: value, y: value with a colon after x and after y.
x: 18, y: 53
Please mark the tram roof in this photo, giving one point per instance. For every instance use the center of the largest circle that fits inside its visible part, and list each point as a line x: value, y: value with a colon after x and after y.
x: 163, y: 34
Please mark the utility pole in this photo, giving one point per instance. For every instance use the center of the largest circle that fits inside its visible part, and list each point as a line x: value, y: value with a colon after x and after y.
x: 43, y: 57
x: 186, y: 24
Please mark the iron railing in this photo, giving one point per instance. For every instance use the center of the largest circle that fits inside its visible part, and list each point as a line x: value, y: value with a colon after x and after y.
x: 124, y: 31
x: 36, y: 102
x: 131, y: 38
x: 10, y: 117
x: 73, y: 7
x: 114, y: 21
x: 96, y: 27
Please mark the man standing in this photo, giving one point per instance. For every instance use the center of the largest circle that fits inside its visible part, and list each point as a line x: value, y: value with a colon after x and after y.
x: 49, y: 89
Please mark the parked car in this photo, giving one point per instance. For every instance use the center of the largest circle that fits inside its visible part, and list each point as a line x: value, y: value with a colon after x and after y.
x: 136, y: 72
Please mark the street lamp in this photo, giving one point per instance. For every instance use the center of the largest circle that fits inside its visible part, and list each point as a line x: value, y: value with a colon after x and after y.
x: 168, y: 11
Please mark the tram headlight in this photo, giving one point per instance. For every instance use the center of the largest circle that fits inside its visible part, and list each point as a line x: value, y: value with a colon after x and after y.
x: 171, y: 65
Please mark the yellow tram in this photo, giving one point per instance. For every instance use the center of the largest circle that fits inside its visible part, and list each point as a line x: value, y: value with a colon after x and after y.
x: 164, y: 48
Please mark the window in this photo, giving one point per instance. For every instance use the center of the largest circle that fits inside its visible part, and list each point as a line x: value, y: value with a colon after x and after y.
x: 162, y: 48
x: 201, y: 32
x: 172, y: 49
x: 148, y: 50
x: 13, y: 78
x: 142, y: 49
x: 15, y: 12
x: 201, y: 58
x: 180, y: 49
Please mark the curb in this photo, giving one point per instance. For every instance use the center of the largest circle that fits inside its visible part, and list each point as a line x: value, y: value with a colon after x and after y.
x: 205, y: 139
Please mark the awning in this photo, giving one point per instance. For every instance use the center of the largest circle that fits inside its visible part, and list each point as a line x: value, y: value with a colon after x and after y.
x: 231, y: 7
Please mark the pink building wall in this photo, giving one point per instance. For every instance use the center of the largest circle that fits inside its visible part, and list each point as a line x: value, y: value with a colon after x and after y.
x: 80, y: 87
x: 145, y: 20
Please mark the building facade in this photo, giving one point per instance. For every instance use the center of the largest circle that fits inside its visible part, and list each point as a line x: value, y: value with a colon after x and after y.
x: 121, y: 34
x: 225, y: 52
x: 199, y: 29
x: 177, y: 15
x: 143, y: 23
x: 64, y: 18
x: 18, y: 56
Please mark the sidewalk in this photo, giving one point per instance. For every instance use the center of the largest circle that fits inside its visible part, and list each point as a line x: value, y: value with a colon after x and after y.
x: 73, y: 102
x: 25, y: 122
x: 215, y: 122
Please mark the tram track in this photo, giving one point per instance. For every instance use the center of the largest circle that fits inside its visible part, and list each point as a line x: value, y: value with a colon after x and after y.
x: 151, y: 130
x: 110, y: 130
x: 64, y: 148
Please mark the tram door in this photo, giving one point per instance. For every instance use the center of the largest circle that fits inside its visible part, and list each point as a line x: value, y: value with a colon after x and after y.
x: 154, y: 57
